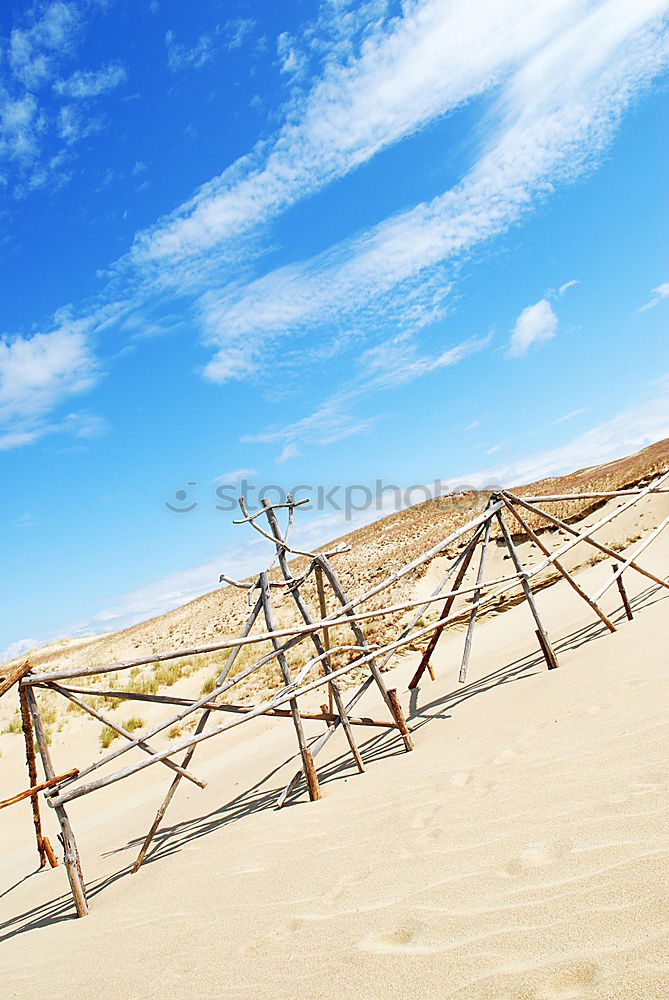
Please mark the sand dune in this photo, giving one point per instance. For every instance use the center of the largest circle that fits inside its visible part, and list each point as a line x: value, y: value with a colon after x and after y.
x: 519, y: 852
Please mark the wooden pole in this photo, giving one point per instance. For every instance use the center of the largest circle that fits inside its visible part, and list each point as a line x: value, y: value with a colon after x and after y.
x: 602, y: 494
x: 8, y: 678
x: 586, y: 536
x: 323, y: 715
x: 71, y: 852
x: 362, y: 641
x: 630, y: 559
x: 399, y: 718
x: 307, y: 759
x: 33, y: 790
x: 323, y: 608
x: 294, y: 590
x: 26, y: 722
x: 559, y: 567
x: 466, y: 558
x: 542, y: 634
x: 169, y: 795
x: 623, y: 592
x: 477, y: 596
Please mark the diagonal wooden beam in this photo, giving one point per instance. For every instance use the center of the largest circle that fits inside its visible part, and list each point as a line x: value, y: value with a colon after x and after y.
x: 559, y: 567
x: 464, y: 558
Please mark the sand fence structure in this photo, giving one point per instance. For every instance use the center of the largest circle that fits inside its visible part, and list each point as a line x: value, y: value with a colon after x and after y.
x: 337, y: 647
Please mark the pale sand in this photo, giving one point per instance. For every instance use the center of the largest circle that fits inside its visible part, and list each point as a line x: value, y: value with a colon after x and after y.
x: 518, y: 852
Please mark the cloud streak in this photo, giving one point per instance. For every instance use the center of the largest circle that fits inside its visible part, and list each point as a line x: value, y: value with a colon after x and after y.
x: 550, y: 124
x: 659, y: 293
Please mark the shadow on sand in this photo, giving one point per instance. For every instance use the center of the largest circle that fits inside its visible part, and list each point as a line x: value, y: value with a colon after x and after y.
x: 263, y: 795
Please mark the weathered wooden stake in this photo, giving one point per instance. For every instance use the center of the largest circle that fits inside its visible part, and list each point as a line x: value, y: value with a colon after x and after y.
x: 50, y: 853
x: 466, y: 557
x: 307, y: 759
x: 623, y: 593
x: 294, y: 590
x: 323, y: 608
x: 398, y: 715
x: 542, y: 634
x: 559, y: 567
x: 70, y: 850
x: 26, y: 722
x: 477, y: 596
x: 9, y: 677
x: 360, y: 639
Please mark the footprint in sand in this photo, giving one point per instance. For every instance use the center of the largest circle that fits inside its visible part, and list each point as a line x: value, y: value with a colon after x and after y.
x: 537, y: 856
x: 397, y: 940
x: 572, y: 982
x: 462, y: 778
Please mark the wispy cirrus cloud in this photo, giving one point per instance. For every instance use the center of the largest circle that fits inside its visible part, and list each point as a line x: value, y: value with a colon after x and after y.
x: 383, y: 367
x: 37, y: 49
x: 552, y: 120
x: 85, y: 84
x: 641, y: 423
x: 409, y: 70
x: 38, y: 375
x: 224, y: 37
x: 659, y: 293
x: 38, y: 131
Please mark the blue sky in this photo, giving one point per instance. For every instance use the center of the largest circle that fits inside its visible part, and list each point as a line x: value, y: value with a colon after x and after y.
x: 311, y: 243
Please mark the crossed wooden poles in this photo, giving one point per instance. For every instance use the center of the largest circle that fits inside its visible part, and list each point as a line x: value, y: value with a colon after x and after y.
x: 60, y: 789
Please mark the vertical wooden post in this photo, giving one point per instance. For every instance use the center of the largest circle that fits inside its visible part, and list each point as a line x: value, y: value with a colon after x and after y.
x: 399, y: 718
x: 542, y: 634
x: 32, y: 774
x: 361, y: 640
x: 323, y: 608
x: 476, y: 596
x: 71, y: 853
x: 532, y: 535
x: 295, y: 593
x: 623, y: 593
x: 466, y: 557
x: 307, y: 759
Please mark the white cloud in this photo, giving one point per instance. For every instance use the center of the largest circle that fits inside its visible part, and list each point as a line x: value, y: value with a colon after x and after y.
x: 535, y: 324
x: 235, y: 475
x: 15, y: 649
x: 289, y: 450
x: 382, y: 367
x: 569, y: 284
x: 35, y: 52
x: 91, y: 83
x: 73, y: 125
x: 410, y: 70
x: 39, y: 373
x: 181, y: 56
x: 551, y: 122
x: 638, y: 425
x: 659, y: 293
x: 20, y: 128
x: 568, y: 416
x: 237, y: 30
